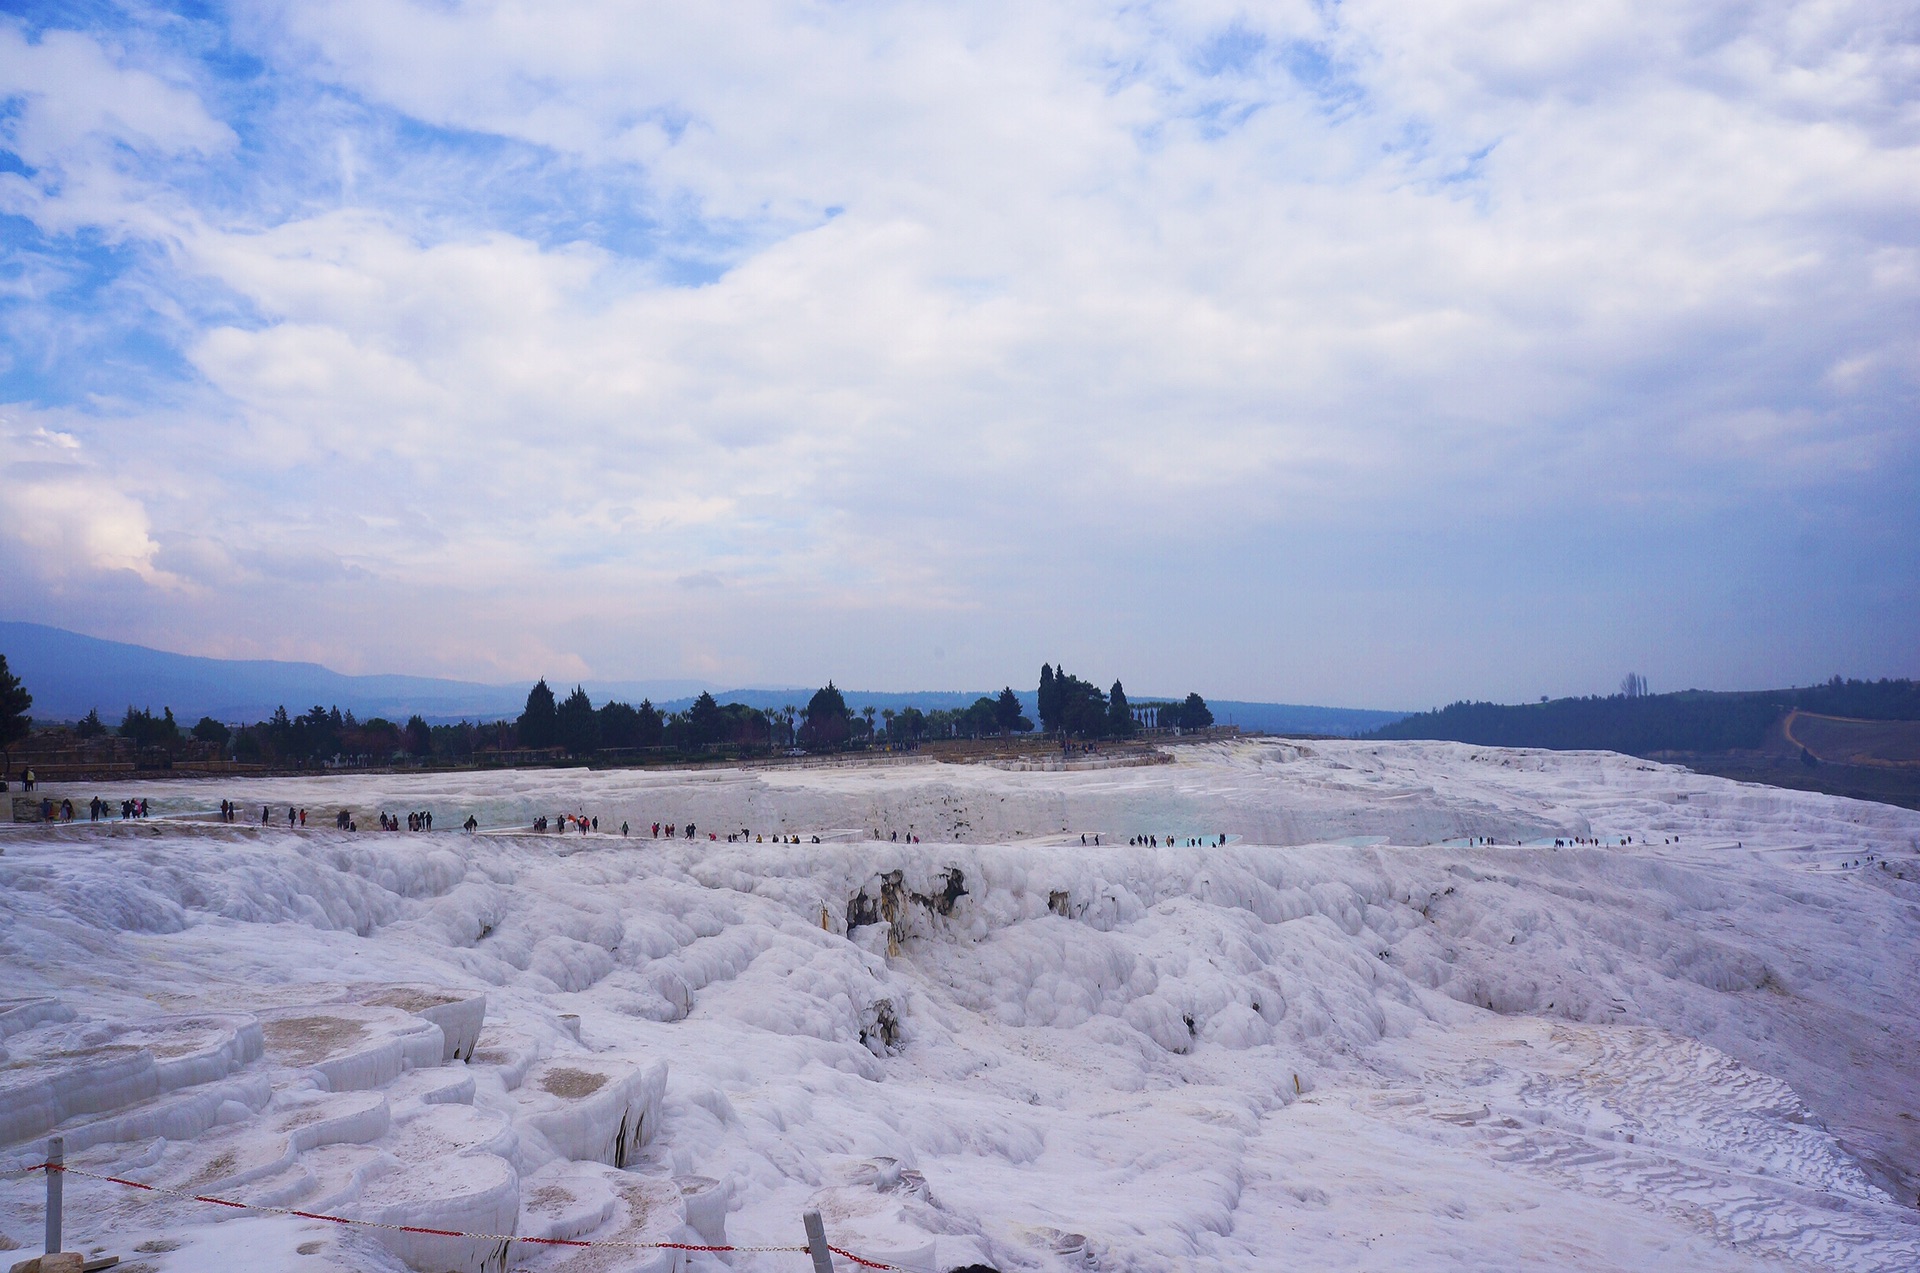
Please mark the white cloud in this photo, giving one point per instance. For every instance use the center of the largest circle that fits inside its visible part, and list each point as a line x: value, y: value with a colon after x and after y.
x: 69, y: 522
x: 1092, y: 274
x: 80, y: 115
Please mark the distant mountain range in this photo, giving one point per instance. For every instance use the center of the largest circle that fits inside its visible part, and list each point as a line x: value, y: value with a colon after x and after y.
x: 70, y: 674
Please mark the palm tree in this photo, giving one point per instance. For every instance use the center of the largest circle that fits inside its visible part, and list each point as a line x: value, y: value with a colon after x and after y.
x: 888, y: 715
x: 791, y: 712
x: 868, y: 712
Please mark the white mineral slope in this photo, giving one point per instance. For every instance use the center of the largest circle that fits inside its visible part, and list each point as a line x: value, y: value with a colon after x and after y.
x: 1345, y: 1040
x: 1213, y: 789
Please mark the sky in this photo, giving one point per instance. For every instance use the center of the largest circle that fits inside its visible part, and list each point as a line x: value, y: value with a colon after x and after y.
x: 1374, y: 354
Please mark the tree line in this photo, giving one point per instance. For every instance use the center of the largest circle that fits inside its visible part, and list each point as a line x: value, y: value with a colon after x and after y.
x: 1072, y: 707
x: 574, y: 726
x: 320, y: 733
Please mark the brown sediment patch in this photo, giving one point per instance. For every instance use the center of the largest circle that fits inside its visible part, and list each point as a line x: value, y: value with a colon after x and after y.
x: 308, y: 1040
x: 409, y: 999
x: 572, y: 1085
x: 548, y: 1196
x: 218, y: 1169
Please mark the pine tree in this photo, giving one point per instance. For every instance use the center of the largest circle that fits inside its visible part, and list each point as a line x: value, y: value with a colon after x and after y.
x: 826, y: 723
x: 1195, y: 714
x: 1006, y: 710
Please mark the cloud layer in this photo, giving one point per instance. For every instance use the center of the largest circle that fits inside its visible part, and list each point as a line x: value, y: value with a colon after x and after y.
x: 1373, y: 353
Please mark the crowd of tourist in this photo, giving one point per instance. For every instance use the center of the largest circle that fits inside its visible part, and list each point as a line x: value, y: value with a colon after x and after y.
x: 584, y: 824
x: 98, y: 810
x: 422, y: 820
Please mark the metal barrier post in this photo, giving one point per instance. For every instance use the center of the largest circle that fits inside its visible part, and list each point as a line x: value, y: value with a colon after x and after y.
x: 56, y: 1160
x: 817, y: 1243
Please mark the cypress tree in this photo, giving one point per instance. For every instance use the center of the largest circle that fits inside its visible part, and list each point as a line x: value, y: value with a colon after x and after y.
x: 1119, y: 715
x: 539, y: 725
x: 575, y: 724
x: 15, y: 724
x: 705, y: 722
x: 650, y: 728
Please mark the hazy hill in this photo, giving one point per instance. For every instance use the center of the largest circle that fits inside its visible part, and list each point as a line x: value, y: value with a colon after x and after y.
x: 70, y: 674
x: 1687, y: 721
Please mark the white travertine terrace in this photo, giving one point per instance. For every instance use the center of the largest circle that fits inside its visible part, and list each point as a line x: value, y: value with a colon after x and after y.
x: 1351, y: 1037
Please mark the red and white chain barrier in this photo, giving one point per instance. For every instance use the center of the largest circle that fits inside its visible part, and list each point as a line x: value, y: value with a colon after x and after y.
x: 443, y: 1233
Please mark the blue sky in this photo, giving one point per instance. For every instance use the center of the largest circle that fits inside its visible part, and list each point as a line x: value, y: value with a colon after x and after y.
x: 1374, y: 354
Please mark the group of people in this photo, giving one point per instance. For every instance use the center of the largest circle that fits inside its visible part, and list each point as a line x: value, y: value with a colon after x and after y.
x: 98, y: 810
x: 421, y: 821
x: 741, y: 836
x: 342, y: 821
x: 584, y: 823
x: 230, y: 812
